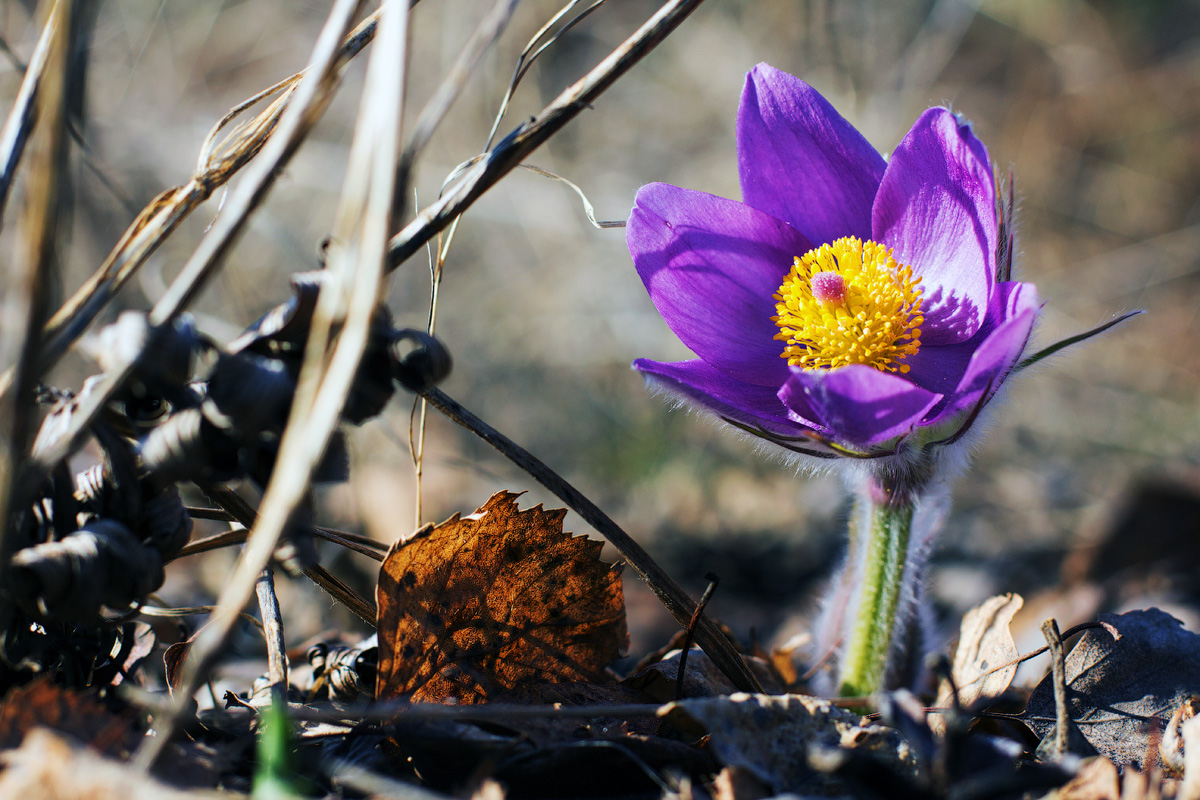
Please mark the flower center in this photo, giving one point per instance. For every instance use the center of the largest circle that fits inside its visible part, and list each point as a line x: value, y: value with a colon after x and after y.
x: 849, y: 302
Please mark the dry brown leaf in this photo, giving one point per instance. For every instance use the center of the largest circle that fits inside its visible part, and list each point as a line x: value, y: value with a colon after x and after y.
x: 42, y: 704
x: 48, y: 767
x: 738, y: 783
x: 486, y: 605
x: 772, y: 737
x: 1097, y: 779
x: 702, y: 679
x: 985, y: 642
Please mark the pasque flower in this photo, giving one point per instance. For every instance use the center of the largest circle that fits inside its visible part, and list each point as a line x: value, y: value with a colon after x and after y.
x: 849, y: 305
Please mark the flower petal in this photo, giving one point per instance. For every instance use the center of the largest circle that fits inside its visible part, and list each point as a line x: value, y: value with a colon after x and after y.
x: 940, y: 369
x: 856, y: 404
x: 996, y: 355
x: 800, y: 161
x: 701, y: 384
x: 711, y: 266
x: 936, y: 207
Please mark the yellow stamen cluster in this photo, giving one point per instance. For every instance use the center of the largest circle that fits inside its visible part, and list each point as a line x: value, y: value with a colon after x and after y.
x: 863, y: 309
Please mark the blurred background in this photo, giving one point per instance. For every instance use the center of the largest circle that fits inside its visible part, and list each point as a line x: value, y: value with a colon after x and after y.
x: 1086, y: 495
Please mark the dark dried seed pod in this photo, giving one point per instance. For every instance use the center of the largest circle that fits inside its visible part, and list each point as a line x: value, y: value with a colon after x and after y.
x: 297, y: 549
x: 373, y: 386
x: 64, y: 507
x: 335, y: 462
x: 249, y: 393
x: 124, y: 500
x: 102, y: 564
x: 162, y: 355
x: 334, y: 466
x: 190, y: 447
x: 165, y: 522
x: 284, y: 329
x: 145, y: 412
x: 419, y: 361
x: 92, y: 487
x: 345, y: 673
x: 41, y: 523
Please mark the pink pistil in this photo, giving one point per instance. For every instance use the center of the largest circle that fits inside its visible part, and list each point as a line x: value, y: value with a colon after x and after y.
x: 828, y: 287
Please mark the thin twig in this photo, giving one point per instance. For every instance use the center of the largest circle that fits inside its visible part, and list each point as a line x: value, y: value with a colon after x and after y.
x: 390, y: 710
x: 363, y: 608
x: 1080, y: 628
x: 272, y: 618
x: 532, y: 134
x: 525, y: 60
x: 28, y: 297
x: 24, y: 110
x: 715, y: 643
x: 247, y: 515
x: 190, y: 611
x: 311, y: 97
x: 359, y: 544
x: 689, y: 633
x: 485, y: 35
x: 1058, y: 671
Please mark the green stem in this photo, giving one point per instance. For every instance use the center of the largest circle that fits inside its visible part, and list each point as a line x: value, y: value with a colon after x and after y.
x: 884, y: 536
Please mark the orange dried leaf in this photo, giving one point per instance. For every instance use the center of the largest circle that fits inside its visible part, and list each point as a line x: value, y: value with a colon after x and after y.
x: 485, y: 605
x: 41, y: 704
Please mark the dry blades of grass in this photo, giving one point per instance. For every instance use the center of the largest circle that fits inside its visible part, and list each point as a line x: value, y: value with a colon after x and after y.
x: 530, y: 135
x: 25, y: 306
x: 338, y: 336
x: 218, y: 162
x: 23, y: 114
x: 308, y: 101
x: 533, y: 48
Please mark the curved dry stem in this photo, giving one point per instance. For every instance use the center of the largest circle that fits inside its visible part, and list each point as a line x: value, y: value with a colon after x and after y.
x: 532, y: 134
x: 23, y: 114
x: 311, y: 97
x: 525, y: 60
x: 28, y: 294
x: 371, y: 549
x: 715, y: 643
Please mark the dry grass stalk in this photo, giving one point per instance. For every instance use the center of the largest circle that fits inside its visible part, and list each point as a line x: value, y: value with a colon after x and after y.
x: 218, y: 162
x: 340, y: 329
x: 24, y: 111
x: 530, y: 135
x: 311, y: 97
x: 25, y: 305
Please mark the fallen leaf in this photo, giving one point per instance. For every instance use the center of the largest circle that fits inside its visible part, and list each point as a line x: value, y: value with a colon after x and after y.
x: 985, y: 641
x: 736, y: 783
x: 484, y: 605
x: 138, y: 644
x: 41, y: 704
x: 1121, y: 693
x: 773, y: 737
x: 48, y: 767
x: 1097, y: 779
x: 702, y: 679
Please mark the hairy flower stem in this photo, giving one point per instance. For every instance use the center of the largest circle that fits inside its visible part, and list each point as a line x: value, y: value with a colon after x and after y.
x: 883, y: 525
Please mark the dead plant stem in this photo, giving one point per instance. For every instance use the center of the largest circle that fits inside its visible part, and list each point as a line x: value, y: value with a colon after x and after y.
x: 272, y: 619
x: 715, y: 643
x: 311, y: 97
x: 26, y: 303
x: 530, y: 135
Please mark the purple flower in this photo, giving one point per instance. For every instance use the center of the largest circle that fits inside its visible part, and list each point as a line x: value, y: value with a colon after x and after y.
x: 849, y: 305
